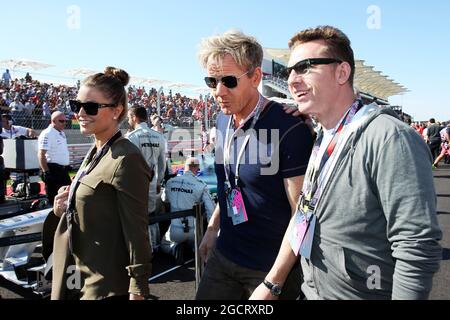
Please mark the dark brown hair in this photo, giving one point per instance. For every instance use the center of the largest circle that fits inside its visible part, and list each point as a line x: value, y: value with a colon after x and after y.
x: 139, y: 112
x: 339, y: 45
x: 111, y: 83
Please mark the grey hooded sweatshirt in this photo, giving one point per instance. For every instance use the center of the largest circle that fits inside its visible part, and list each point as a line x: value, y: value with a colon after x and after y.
x: 377, y: 232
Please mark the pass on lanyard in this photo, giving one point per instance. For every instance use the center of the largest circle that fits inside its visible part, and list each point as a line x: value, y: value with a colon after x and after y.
x: 302, y: 234
x: 235, y: 207
x: 235, y: 202
x: 309, y: 198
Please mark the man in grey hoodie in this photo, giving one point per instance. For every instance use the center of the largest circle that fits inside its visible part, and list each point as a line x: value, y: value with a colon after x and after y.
x: 366, y: 224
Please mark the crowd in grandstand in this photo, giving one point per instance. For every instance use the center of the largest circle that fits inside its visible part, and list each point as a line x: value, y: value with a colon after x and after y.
x: 26, y: 98
x: 23, y: 98
x: 175, y: 108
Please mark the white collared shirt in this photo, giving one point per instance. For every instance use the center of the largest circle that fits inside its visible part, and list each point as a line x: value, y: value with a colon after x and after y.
x: 55, y: 143
x: 182, y: 192
x: 14, y: 132
x: 153, y: 147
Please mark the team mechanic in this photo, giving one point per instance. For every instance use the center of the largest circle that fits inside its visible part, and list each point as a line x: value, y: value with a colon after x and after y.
x: 182, y: 192
x: 153, y: 147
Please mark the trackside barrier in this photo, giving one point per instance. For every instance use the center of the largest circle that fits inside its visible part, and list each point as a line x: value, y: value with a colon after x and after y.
x: 25, y: 238
x: 197, y: 211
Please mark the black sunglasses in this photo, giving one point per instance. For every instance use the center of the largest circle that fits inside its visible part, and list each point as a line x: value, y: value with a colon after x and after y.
x: 91, y: 108
x: 303, y: 67
x: 61, y: 121
x: 228, y: 81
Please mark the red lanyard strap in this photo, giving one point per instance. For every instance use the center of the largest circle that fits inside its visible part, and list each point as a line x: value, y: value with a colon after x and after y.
x: 306, y: 199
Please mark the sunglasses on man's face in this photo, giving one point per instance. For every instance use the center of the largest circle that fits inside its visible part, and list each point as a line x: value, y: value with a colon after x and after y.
x: 228, y: 81
x: 91, y: 108
x: 303, y: 67
x: 62, y: 121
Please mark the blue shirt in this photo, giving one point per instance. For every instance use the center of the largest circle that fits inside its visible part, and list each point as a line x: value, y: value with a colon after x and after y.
x: 255, y: 244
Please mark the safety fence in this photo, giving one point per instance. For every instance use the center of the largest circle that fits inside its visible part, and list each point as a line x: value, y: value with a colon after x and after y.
x: 40, y: 122
x: 77, y: 152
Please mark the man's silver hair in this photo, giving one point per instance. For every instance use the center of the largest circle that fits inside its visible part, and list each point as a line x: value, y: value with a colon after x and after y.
x: 245, y: 50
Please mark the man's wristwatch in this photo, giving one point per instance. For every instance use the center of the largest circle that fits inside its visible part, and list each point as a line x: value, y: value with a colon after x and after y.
x: 275, y: 288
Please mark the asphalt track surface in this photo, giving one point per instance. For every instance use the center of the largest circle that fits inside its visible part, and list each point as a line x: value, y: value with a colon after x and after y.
x: 179, y: 284
x: 441, y: 281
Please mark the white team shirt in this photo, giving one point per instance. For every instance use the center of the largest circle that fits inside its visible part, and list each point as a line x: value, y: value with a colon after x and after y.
x: 14, y: 132
x: 182, y: 192
x: 213, y: 135
x: 55, y: 143
x: 153, y: 147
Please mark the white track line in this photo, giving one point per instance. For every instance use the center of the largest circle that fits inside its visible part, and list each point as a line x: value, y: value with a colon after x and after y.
x: 170, y: 270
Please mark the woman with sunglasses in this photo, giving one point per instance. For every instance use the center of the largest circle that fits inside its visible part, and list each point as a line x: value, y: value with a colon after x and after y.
x: 101, y: 245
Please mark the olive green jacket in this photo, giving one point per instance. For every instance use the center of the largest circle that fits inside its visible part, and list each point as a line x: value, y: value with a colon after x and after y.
x: 111, y: 247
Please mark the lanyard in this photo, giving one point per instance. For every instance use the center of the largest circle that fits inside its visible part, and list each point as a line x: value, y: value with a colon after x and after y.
x: 228, y: 141
x: 311, y: 193
x: 91, y: 160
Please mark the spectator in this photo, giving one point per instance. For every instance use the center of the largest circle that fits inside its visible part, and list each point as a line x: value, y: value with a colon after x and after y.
x: 204, y: 138
x: 245, y: 231
x: 6, y: 77
x: 434, y: 137
x: 212, y: 138
x: 366, y: 225
x: 28, y: 78
x: 29, y: 107
x: 445, y: 148
x: 157, y: 123
x: 16, y: 107
x: 180, y: 110
x: 46, y: 110
x: 104, y: 218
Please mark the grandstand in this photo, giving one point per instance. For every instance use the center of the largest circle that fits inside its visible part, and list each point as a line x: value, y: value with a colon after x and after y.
x: 31, y: 102
x: 372, y: 85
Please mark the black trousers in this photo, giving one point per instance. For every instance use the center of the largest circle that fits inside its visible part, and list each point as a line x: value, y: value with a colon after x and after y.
x: 59, y: 177
x: 435, y: 147
x: 225, y: 280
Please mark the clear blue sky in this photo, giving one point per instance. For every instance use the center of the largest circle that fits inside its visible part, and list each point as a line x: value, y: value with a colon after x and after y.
x: 159, y: 39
